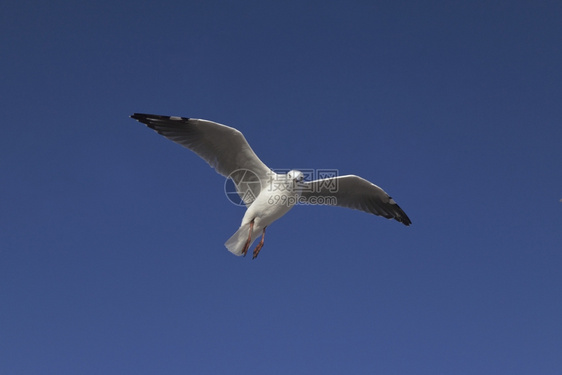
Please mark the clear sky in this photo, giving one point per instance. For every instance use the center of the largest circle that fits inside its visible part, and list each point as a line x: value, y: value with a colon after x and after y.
x: 111, y: 237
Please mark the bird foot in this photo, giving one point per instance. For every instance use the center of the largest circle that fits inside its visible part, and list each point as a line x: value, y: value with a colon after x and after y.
x: 260, y: 245
x: 257, y: 250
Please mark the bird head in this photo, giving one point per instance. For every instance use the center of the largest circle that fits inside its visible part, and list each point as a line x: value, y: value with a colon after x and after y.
x: 295, y: 176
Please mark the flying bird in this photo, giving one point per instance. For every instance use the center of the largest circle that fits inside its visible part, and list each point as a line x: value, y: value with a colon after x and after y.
x: 266, y: 194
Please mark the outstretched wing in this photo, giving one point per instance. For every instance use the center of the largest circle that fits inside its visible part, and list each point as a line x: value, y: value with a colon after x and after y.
x: 353, y: 192
x: 223, y: 147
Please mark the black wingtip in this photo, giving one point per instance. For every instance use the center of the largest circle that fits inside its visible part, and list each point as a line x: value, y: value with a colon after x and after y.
x: 401, y: 216
x: 141, y: 117
x: 404, y: 219
x: 145, y: 118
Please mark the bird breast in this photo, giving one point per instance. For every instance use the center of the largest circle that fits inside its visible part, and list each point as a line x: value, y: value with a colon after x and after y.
x: 273, y: 202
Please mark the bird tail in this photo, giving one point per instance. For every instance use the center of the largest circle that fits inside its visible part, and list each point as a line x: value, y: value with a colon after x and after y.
x: 235, y: 244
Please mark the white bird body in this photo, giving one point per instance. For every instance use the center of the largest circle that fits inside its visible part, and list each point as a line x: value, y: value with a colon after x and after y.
x: 276, y: 198
x: 267, y: 195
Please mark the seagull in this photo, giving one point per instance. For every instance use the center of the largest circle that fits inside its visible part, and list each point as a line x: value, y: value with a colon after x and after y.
x: 267, y: 195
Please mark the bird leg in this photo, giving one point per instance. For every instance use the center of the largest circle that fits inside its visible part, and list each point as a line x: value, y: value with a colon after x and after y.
x: 260, y: 245
x: 249, y: 240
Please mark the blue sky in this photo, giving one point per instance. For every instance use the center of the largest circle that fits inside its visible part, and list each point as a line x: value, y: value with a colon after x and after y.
x: 111, y: 237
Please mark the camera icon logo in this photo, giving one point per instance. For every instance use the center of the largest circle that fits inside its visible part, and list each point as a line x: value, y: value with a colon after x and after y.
x: 242, y: 187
